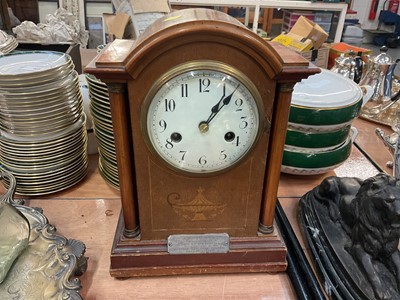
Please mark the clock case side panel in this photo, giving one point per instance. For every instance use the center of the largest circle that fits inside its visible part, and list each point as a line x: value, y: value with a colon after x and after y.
x: 294, y: 69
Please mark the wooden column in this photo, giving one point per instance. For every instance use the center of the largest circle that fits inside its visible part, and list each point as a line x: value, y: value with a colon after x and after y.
x: 275, y: 155
x: 125, y: 161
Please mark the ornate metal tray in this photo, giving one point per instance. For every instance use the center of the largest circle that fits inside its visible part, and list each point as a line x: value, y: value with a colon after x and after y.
x: 389, y: 116
x: 48, y: 267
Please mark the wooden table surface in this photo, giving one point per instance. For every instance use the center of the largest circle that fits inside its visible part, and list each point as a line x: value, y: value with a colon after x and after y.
x: 89, y: 212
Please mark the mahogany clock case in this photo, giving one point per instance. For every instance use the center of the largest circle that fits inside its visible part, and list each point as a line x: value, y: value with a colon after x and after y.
x: 165, y: 202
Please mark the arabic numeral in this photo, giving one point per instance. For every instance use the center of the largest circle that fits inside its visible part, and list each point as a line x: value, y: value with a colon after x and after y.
x: 163, y: 125
x: 170, y: 105
x: 169, y: 144
x: 243, y: 124
x: 239, y: 103
x: 183, y: 155
x: 204, y: 84
x: 184, y: 90
x: 202, y: 160
x: 236, y: 141
x: 223, y: 155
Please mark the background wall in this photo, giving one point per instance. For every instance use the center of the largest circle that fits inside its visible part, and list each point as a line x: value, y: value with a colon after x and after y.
x: 363, y: 7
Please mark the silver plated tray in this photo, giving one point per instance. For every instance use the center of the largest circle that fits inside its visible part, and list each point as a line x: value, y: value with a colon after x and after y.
x: 389, y: 116
x: 48, y: 267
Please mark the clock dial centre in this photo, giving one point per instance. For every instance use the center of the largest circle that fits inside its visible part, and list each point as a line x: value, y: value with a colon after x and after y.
x: 203, y: 127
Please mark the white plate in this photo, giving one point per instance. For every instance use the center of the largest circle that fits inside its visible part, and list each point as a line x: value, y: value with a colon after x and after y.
x: 31, y: 62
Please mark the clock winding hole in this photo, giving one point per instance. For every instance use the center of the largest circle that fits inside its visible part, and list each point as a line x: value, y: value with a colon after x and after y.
x: 176, y: 137
x: 229, y: 136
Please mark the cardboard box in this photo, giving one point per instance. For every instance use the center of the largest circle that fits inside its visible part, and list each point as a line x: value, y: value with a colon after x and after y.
x: 294, y: 42
x: 310, y: 30
x: 132, y: 18
x: 146, y: 12
x: 118, y: 26
x: 304, y: 35
x: 337, y: 49
x: 318, y: 57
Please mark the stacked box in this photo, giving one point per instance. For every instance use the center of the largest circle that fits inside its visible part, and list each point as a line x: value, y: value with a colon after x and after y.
x: 304, y: 36
x: 290, y: 18
x: 318, y: 57
x: 322, y: 18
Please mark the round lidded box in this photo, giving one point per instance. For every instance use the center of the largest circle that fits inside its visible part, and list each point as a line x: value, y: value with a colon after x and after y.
x: 322, y: 110
x: 326, y: 98
x: 311, y: 161
x: 319, y: 136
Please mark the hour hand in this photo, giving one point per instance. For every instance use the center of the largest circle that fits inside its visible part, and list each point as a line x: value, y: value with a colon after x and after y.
x: 217, y: 107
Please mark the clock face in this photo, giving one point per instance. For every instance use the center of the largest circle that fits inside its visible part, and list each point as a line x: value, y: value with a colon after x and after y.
x: 203, y: 119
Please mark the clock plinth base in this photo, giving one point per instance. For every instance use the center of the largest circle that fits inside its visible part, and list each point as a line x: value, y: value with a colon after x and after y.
x: 132, y: 257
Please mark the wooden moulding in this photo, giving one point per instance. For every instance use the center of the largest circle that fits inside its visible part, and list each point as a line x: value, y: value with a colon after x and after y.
x: 137, y: 258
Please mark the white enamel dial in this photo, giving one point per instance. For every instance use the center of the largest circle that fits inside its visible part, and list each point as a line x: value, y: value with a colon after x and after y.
x: 202, y: 121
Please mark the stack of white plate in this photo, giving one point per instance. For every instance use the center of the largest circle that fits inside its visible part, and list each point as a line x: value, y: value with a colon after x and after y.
x: 7, y: 43
x: 42, y: 124
x: 103, y: 130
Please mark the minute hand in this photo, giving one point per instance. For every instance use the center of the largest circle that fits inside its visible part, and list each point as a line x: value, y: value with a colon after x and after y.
x: 217, y: 107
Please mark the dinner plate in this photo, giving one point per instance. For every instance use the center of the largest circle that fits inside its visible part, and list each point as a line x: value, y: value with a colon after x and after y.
x: 103, y: 129
x: 28, y: 156
x: 17, y: 103
x: 66, y: 82
x: 36, y: 127
x: 65, y: 160
x: 31, y: 63
x: 56, y: 187
x: 102, y: 111
x: 39, y: 176
x: 105, y: 174
x: 41, y: 78
x: 43, y: 138
x: 96, y: 83
x: 111, y: 166
x: 43, y: 108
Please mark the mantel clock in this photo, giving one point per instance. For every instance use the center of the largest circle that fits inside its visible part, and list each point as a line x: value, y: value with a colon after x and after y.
x: 199, y: 108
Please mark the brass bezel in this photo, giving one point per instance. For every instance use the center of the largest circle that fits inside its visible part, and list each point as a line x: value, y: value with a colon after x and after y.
x: 195, y: 66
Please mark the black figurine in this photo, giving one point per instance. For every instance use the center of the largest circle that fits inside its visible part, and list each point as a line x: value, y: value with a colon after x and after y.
x: 357, y: 226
